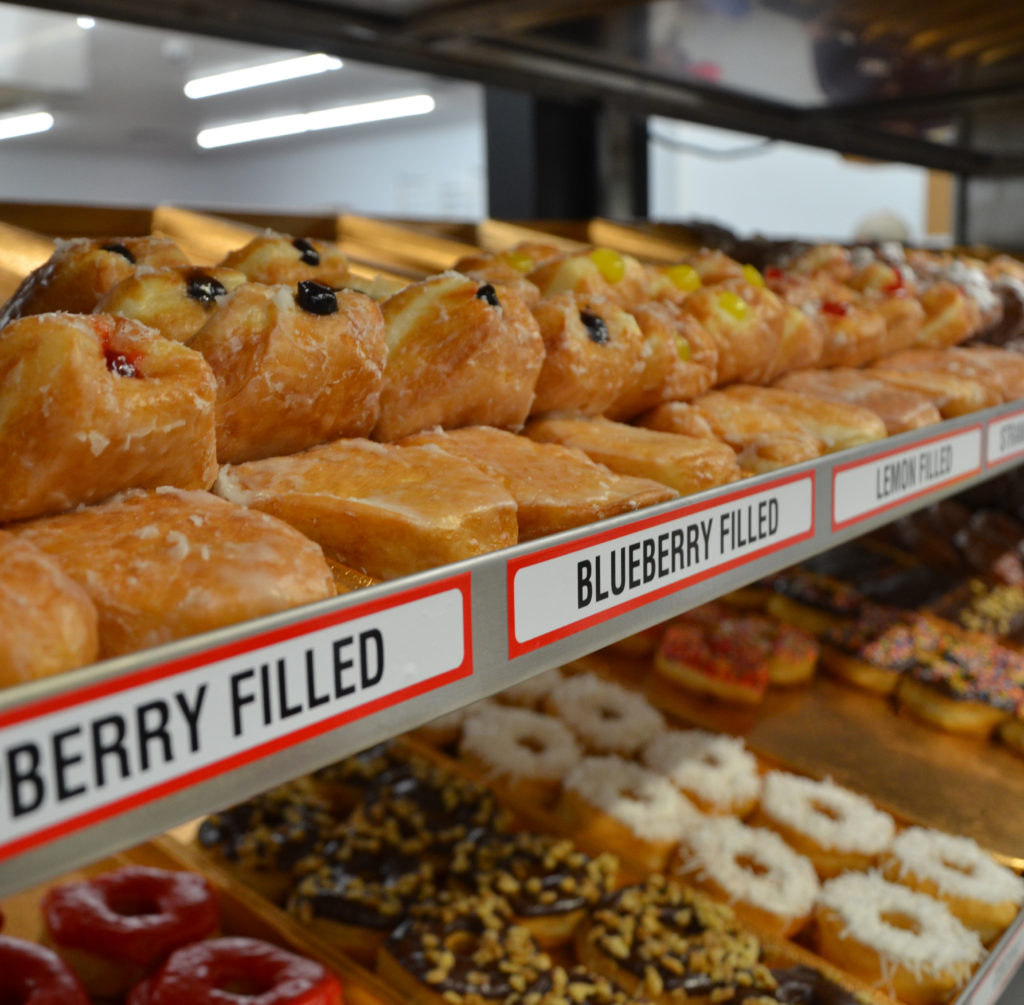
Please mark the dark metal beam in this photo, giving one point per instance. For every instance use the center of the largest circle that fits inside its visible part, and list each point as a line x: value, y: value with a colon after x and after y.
x: 961, y: 99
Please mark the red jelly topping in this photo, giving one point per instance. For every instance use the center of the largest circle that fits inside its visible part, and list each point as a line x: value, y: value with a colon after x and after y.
x: 773, y: 272
x: 120, y: 363
x: 835, y: 307
x: 896, y: 283
x: 136, y: 914
x: 35, y: 975
x: 236, y: 971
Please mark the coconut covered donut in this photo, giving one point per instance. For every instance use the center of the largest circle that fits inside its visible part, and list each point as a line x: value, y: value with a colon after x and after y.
x: 527, y: 753
x: 607, y: 718
x: 716, y: 772
x: 834, y: 827
x: 983, y: 894
x: 903, y: 941
x: 767, y: 883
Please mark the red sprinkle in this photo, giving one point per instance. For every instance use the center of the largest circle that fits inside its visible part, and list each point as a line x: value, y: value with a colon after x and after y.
x: 835, y: 307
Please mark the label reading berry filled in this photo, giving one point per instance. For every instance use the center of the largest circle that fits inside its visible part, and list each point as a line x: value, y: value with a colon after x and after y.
x: 873, y: 485
x: 91, y: 753
x: 561, y: 590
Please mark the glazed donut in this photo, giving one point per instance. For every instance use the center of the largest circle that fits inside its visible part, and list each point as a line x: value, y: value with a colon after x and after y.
x: 175, y: 302
x: 445, y: 730
x: 670, y: 944
x: 464, y: 947
x: 261, y: 840
x: 608, y: 802
x: 606, y: 717
x: 716, y: 772
x: 358, y: 884
x: 96, y: 404
x: 236, y: 970
x: 344, y: 783
x: 525, y: 754
x: 34, y: 975
x: 280, y: 258
x: 116, y: 928
x: 531, y: 692
x: 834, y: 827
x: 983, y: 894
x: 900, y: 940
x: 547, y: 881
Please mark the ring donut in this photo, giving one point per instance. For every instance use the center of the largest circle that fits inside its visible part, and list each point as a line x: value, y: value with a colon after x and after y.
x: 35, y: 975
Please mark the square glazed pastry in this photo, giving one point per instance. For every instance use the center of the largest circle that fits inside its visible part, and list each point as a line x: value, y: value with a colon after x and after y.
x: 554, y: 487
x: 93, y: 404
x: 458, y: 354
x: 685, y: 463
x: 164, y: 564
x: 295, y: 366
x: 387, y: 510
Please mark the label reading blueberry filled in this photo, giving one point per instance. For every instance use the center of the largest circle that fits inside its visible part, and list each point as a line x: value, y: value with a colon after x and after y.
x: 204, y: 288
x: 597, y: 330
x: 488, y: 294
x: 307, y: 252
x: 316, y: 298
x: 120, y: 249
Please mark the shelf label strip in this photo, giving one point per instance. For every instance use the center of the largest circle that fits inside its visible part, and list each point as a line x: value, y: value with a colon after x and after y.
x: 567, y: 588
x: 1005, y: 439
x: 84, y: 756
x: 867, y: 487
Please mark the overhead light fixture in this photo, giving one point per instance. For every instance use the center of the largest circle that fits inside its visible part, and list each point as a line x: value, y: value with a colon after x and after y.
x: 25, y: 125
x: 326, y: 118
x: 257, y: 76
x: 86, y: 23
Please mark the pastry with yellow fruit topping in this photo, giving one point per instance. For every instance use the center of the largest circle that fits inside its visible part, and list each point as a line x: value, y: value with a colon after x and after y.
x: 509, y: 267
x: 599, y: 272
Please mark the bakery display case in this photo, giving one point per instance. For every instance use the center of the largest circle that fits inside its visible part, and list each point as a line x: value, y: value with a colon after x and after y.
x: 108, y: 756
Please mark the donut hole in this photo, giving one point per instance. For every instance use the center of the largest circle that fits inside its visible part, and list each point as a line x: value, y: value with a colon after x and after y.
x: 243, y: 986
x: 532, y: 744
x: 904, y: 922
x: 751, y: 863
x: 967, y: 870
x: 711, y: 759
x: 608, y: 713
x: 634, y: 795
x: 462, y: 943
x: 133, y: 903
x: 825, y: 810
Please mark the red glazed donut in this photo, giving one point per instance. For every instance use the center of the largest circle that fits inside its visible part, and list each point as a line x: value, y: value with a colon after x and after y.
x: 237, y: 971
x: 117, y: 927
x: 35, y: 975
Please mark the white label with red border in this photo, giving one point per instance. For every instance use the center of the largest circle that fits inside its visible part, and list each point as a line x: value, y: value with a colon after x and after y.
x: 999, y: 969
x: 80, y: 757
x: 564, y: 589
x: 863, y: 488
x: 1005, y: 439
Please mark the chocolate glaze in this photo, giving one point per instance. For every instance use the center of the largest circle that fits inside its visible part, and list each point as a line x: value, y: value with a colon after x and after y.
x: 203, y: 287
x: 819, y: 592
x: 119, y: 249
x: 307, y: 252
x: 488, y: 294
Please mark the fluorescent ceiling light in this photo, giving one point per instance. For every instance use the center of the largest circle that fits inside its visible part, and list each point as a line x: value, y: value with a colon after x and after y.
x: 257, y: 76
x: 25, y: 125
x: 86, y: 23
x: 327, y: 118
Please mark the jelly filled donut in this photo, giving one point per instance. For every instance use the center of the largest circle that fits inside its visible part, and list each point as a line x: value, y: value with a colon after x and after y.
x: 117, y: 927
x: 834, y: 827
x: 547, y: 881
x: 902, y: 941
x: 279, y: 258
x: 233, y: 971
x: 463, y: 949
x: 983, y: 894
x: 34, y: 975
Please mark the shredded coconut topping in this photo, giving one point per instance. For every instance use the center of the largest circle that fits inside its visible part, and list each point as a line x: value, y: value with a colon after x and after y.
x: 717, y: 769
x: 649, y: 804
x: 752, y: 865
x: 833, y: 817
x: 867, y: 905
x: 604, y: 715
x: 519, y: 742
x: 958, y: 866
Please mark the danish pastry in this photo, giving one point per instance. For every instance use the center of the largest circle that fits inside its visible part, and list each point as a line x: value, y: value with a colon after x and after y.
x: 294, y: 367
x: 950, y: 394
x: 998, y: 369
x: 554, y: 487
x: 685, y: 463
x: 595, y: 272
x: 458, y: 355
x: 376, y: 506
x: 176, y: 302
x: 80, y: 271
x: 95, y: 404
x: 275, y: 259
x: 951, y: 317
x: 161, y: 565
x: 47, y: 621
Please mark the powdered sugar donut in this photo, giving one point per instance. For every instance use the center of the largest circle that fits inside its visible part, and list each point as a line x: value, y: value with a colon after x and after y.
x: 983, y: 894
x: 607, y: 718
x: 716, y: 772
x: 526, y: 751
x: 834, y: 827
x: 766, y: 882
x: 903, y: 941
x: 612, y: 803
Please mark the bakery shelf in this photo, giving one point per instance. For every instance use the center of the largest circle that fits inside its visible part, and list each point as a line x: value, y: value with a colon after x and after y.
x: 115, y: 753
